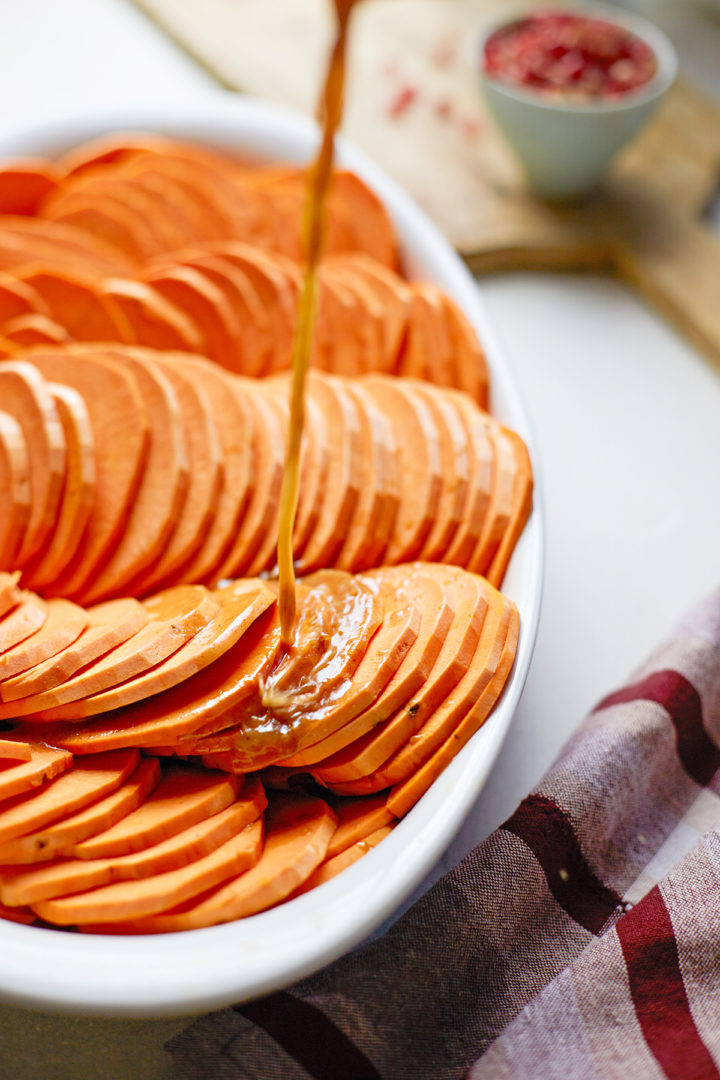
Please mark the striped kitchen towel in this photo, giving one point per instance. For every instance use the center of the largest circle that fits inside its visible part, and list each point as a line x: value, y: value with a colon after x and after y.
x: 581, y: 940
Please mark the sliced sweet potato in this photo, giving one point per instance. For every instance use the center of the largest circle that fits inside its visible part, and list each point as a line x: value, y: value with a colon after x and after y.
x: 178, y: 185
x: 148, y: 896
x: 368, y: 753
x: 34, y: 241
x: 104, y: 191
x: 192, y: 292
x: 176, y: 616
x: 158, y: 502
x: 239, y: 606
x: 15, y: 498
x: 78, y: 305
x: 357, y: 819
x: 456, y: 471
x: 45, y: 763
x: 19, y: 915
x: 108, y: 217
x: 370, y: 320
x: 78, y: 492
x: 82, y: 784
x: 205, y: 484
x: 483, y: 469
x: 432, y: 600
x: 299, y: 829
x: 25, y: 183
x: 499, y: 513
x: 419, y: 466
x: 332, y: 866
x: 61, y: 837
x: 153, y: 319
x: 64, y: 623
x: 237, y: 434
x: 427, y: 354
x: 25, y: 619
x: 470, y: 367
x: 393, y: 296
x: 121, y: 438
x: 183, y: 797
x: 17, y: 297
x: 78, y: 875
x: 109, y: 625
x: 15, y: 750
x: 27, y: 330
x: 404, y: 795
x: 10, y: 594
x: 339, y: 342
x: 25, y: 396
x: 522, y: 505
x: 315, y: 455
x: 210, y: 701
x: 372, y: 230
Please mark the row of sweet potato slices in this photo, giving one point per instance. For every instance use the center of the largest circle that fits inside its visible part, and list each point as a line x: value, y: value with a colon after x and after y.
x: 141, y: 196
x: 237, y: 305
x: 150, y: 468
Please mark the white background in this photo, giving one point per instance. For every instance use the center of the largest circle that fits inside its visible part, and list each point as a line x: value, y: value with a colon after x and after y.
x: 627, y: 420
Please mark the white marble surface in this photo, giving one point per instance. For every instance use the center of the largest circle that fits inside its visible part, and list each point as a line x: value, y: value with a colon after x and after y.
x: 627, y: 419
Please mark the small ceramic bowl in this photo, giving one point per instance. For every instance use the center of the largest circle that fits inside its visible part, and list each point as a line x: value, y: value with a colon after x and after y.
x: 566, y: 145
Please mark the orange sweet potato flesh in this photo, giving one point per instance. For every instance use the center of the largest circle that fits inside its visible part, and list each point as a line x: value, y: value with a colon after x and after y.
x: 299, y: 829
x: 109, y: 625
x: 17, y: 297
x: 522, y: 505
x: 79, y: 875
x: 477, y: 426
x: 206, y: 480
x: 332, y: 866
x: 160, y: 497
x: 31, y: 241
x: 14, y: 488
x: 82, y: 784
x: 23, y: 621
x: 176, y: 616
x: 208, y: 701
x: 27, y: 330
x: 500, y: 509
x: 121, y: 438
x: 77, y: 304
x: 154, y: 320
x: 78, y: 492
x: 183, y: 797
x: 45, y: 763
x: 109, y: 217
x: 10, y: 594
x: 64, y: 623
x: 239, y: 605
x: 15, y: 750
x: 470, y: 369
x: 25, y: 396
x: 146, y: 897
x: 25, y: 183
x: 194, y: 293
x: 61, y: 836
x: 357, y: 819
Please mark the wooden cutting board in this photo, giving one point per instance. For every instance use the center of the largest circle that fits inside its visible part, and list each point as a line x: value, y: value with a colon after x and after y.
x: 413, y: 105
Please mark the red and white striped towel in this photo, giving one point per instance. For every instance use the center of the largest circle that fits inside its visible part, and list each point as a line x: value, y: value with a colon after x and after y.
x: 581, y: 940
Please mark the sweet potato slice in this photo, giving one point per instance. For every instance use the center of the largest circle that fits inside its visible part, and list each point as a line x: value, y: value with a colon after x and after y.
x: 357, y: 819
x: 420, y: 466
x: 372, y: 230
x: 403, y: 796
x: 15, y: 499
x: 500, y: 510
x: 370, y: 751
x: 10, y: 594
x: 393, y: 296
x: 338, y: 340
x: 78, y: 490
x: 176, y: 616
x: 432, y: 601
x: 32, y: 241
x: 315, y: 455
x: 160, y: 497
x: 78, y: 875
x: 21, y: 915
x: 15, y: 750
x: 45, y: 763
x: 25, y: 183
x: 299, y: 829
x: 25, y: 396
x: 483, y: 461
x: 192, y: 292
x: 253, y: 546
x: 332, y: 866
x: 82, y: 784
x: 177, y: 183
x: 26, y: 619
x: 153, y: 319
x: 441, y: 724
x: 456, y: 471
x: 369, y: 326
x: 205, y: 484
x: 77, y: 304
x: 427, y: 354
x: 109, y: 625
x: 63, y: 625
x: 27, y: 330
x: 236, y: 430
x: 121, y: 438
x: 17, y: 297
x: 522, y: 504
x: 470, y: 367
x: 108, y: 217
x: 183, y: 797
x: 61, y: 836
x: 239, y: 606
x: 159, y: 227
x: 210, y: 701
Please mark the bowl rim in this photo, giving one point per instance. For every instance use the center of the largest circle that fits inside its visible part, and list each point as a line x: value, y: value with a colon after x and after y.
x: 652, y: 35
x: 190, y: 972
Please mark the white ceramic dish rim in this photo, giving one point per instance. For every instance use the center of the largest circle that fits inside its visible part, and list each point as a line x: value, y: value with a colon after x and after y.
x: 182, y: 974
x: 661, y: 81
